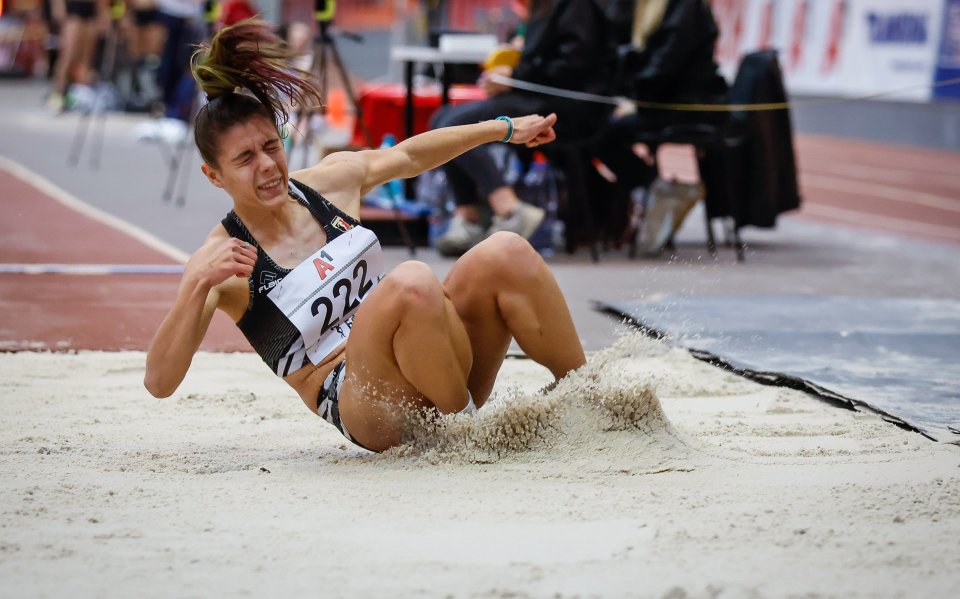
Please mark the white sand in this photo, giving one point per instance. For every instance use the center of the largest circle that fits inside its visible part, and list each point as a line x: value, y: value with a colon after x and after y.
x: 232, y: 488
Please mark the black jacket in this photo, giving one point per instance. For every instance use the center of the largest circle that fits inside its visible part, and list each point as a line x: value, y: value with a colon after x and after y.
x: 677, y: 63
x: 571, y: 48
x: 753, y: 178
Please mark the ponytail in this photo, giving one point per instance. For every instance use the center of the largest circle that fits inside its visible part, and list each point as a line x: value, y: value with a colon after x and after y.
x: 246, y: 71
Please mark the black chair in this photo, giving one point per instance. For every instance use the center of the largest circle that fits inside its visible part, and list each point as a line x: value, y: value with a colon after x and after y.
x: 724, y: 139
x: 573, y: 159
x: 746, y: 162
x: 572, y: 154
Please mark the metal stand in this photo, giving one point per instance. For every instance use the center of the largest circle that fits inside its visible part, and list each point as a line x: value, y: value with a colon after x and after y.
x: 108, y: 69
x: 181, y: 158
x: 181, y: 155
x: 324, y: 51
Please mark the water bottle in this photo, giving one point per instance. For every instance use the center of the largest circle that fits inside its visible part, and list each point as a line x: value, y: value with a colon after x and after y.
x: 540, y: 189
x: 535, y: 181
x: 433, y: 193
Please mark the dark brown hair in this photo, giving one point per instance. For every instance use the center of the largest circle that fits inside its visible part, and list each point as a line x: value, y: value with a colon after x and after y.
x: 245, y: 72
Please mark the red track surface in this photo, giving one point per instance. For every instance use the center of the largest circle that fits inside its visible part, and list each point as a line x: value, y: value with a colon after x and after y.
x: 909, y: 191
x: 105, y: 312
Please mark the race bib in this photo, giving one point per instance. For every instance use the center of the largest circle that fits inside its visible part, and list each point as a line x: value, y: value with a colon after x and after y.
x: 321, y: 295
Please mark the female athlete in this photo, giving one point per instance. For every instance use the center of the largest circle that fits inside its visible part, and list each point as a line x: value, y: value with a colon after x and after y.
x: 293, y: 266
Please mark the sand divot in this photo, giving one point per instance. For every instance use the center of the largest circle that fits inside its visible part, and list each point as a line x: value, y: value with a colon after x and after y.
x: 599, y: 408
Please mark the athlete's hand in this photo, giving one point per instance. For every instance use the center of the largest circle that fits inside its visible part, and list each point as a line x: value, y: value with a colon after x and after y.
x: 534, y: 130
x: 219, y: 259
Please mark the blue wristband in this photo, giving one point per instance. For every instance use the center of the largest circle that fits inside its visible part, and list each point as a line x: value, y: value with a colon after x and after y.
x: 509, y: 122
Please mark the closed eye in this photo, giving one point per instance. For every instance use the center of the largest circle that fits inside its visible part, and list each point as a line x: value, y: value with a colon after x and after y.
x: 243, y: 157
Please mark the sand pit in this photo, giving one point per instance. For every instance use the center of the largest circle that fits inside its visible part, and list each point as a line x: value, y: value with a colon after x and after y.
x: 649, y: 475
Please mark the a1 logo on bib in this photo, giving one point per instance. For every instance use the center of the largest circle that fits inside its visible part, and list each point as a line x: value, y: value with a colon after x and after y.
x: 324, y: 291
x: 322, y: 265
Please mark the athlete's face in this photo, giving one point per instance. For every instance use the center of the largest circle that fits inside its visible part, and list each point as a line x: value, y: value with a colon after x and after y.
x: 252, y: 166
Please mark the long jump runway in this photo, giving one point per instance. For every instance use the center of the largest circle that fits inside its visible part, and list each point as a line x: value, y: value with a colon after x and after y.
x: 74, y: 278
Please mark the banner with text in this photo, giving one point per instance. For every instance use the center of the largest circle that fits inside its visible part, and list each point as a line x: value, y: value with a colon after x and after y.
x: 838, y: 47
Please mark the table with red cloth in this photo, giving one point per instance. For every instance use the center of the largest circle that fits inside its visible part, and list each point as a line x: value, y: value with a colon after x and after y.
x: 383, y: 108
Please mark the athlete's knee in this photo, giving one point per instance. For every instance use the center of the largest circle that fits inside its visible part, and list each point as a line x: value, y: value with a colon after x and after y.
x: 413, y: 285
x: 505, y: 253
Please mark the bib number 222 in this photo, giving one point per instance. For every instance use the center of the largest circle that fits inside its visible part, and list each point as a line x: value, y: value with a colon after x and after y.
x: 343, y: 286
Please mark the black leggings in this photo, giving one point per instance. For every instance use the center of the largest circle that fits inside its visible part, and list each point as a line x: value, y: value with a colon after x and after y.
x: 615, y: 148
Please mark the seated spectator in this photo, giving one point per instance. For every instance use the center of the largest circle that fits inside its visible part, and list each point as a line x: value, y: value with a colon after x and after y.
x: 183, y: 24
x: 670, y: 61
x: 566, y: 45
x: 145, y: 39
x: 81, y: 23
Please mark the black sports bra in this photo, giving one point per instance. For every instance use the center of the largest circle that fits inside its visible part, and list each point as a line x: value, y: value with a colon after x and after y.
x: 267, y: 329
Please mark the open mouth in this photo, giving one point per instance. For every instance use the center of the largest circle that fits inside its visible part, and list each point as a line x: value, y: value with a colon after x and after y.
x: 271, y: 185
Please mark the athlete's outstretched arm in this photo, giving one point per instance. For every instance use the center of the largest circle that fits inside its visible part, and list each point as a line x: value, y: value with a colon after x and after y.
x: 429, y: 150
x: 348, y: 176
x: 184, y: 327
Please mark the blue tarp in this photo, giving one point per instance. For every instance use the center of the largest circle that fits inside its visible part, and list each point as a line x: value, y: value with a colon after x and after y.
x: 900, y: 357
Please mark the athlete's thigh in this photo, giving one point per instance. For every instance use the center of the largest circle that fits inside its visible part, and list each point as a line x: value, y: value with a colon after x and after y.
x: 376, y: 396
x: 374, y: 390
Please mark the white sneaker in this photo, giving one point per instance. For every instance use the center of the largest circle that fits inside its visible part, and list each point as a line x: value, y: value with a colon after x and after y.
x: 460, y: 236
x: 683, y: 196
x: 670, y: 203
x: 523, y: 221
x: 657, y: 225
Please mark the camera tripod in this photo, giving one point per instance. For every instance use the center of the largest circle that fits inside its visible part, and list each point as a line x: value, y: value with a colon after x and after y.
x: 325, y: 51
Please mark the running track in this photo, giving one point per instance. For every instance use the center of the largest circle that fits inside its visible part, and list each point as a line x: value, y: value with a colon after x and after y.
x: 897, y: 189
x: 81, y: 311
x: 907, y: 191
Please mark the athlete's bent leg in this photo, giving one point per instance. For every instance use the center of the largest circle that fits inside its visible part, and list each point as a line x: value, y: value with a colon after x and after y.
x: 501, y: 289
x: 407, y: 347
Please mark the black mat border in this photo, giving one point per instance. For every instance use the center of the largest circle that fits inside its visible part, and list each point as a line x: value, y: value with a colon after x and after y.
x: 775, y: 379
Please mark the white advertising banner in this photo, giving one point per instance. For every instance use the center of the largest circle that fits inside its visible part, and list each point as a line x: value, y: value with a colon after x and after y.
x: 836, y: 47
x: 893, y: 44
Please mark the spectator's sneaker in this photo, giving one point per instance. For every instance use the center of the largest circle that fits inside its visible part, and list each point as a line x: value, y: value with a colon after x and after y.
x: 684, y: 197
x: 523, y: 221
x: 657, y: 225
x: 460, y: 236
x: 670, y: 203
x: 56, y: 103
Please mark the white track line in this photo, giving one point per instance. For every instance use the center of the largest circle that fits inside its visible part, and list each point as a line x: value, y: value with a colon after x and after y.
x: 70, y: 201
x: 878, y: 174
x: 882, y: 192
x: 90, y: 269
x: 859, y: 218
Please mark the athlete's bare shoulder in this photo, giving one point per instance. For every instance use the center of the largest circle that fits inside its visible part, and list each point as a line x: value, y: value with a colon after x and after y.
x: 339, y: 178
